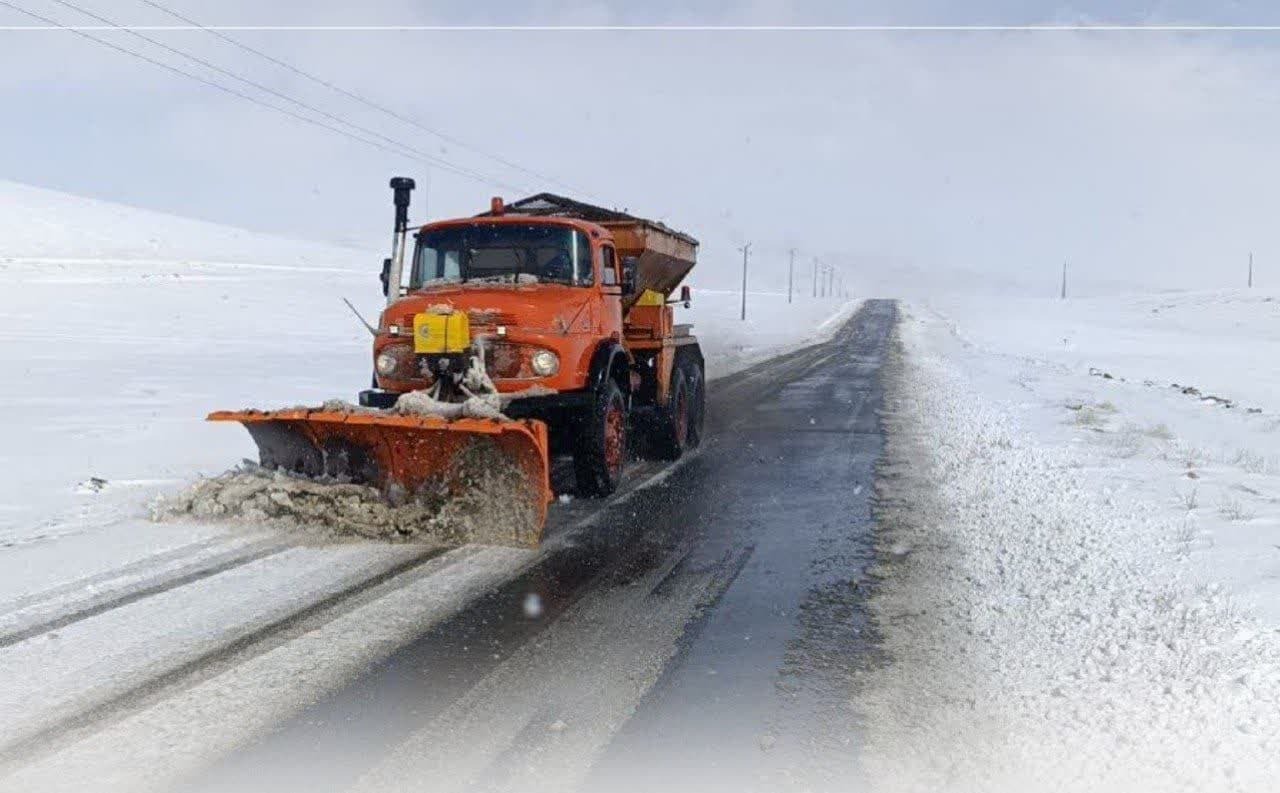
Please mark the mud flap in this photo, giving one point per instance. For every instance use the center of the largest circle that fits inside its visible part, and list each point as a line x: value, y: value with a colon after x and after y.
x: 393, y: 452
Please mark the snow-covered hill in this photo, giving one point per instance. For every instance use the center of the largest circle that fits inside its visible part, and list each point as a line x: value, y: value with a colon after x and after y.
x: 120, y: 328
x: 41, y: 224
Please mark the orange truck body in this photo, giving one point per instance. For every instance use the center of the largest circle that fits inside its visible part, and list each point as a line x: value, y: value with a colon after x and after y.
x: 622, y: 363
x: 571, y: 321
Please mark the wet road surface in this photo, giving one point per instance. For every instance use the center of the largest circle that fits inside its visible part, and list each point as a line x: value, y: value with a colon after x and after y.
x: 697, y: 632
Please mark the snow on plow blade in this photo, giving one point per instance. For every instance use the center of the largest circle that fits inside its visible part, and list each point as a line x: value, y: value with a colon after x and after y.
x: 395, y: 451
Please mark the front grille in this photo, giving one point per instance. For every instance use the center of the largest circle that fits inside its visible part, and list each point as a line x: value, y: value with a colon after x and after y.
x: 505, y: 360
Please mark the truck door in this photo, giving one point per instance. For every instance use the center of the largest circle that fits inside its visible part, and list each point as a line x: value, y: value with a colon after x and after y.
x: 611, y: 288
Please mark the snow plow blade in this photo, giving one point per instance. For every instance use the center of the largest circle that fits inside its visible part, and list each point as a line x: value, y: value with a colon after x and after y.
x: 393, y: 452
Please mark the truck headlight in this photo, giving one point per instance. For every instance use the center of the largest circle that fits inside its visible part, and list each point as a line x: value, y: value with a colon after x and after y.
x: 544, y: 363
x: 386, y: 363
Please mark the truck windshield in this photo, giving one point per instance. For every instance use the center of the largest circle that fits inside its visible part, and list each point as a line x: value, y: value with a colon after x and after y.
x: 503, y: 253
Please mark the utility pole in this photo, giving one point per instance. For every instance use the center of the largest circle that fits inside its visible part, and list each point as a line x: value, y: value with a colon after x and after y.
x: 791, y: 274
x: 1250, y: 269
x: 1064, y: 279
x: 831, y: 280
x: 745, y: 250
x: 815, y: 276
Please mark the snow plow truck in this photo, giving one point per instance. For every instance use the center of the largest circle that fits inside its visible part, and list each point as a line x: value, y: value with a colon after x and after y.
x: 543, y: 327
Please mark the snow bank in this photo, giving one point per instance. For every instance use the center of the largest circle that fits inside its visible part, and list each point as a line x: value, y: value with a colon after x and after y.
x: 1038, y: 629
x: 772, y: 327
x: 1170, y: 398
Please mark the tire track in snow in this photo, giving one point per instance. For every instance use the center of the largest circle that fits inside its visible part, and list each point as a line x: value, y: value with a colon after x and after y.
x: 242, y: 698
x: 96, y: 603
x: 120, y: 703
x: 178, y: 554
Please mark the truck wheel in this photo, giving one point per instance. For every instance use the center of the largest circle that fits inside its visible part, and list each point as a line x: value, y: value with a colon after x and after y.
x: 601, y: 448
x: 696, y: 384
x: 671, y: 436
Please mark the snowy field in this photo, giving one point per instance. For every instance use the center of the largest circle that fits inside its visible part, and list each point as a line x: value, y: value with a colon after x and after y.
x: 1177, y: 398
x: 1081, y: 587
x: 121, y: 329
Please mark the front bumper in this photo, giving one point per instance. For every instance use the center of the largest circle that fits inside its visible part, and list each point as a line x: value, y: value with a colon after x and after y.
x: 545, y: 407
x: 534, y: 407
x: 377, y: 398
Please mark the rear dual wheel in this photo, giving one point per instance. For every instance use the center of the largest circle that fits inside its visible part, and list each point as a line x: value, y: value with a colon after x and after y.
x: 695, y: 380
x: 679, y: 423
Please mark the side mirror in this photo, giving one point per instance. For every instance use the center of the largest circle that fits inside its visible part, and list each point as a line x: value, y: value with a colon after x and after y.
x: 385, y: 278
x: 629, y: 265
x: 686, y: 295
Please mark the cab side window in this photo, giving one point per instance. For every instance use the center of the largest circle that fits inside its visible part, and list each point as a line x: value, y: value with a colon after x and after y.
x: 608, y: 269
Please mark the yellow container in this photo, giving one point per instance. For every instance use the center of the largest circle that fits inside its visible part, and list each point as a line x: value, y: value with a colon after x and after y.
x: 651, y: 298
x: 441, y: 333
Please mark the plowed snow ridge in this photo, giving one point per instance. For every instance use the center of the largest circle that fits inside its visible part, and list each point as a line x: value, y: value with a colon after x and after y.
x: 1036, y: 636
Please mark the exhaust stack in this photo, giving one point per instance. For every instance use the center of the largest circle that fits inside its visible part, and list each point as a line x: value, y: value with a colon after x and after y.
x: 401, y: 187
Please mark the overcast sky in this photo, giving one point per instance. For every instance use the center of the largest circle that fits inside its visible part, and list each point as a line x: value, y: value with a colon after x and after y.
x: 1145, y: 158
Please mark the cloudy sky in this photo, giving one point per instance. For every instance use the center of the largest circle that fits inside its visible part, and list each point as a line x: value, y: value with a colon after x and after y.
x: 1148, y: 159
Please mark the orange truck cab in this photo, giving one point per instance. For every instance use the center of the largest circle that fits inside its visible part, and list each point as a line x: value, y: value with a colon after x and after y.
x: 569, y: 308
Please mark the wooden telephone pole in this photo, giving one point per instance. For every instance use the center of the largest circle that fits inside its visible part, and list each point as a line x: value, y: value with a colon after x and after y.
x: 791, y: 273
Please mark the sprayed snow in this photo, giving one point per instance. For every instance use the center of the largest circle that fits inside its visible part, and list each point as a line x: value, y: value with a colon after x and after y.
x: 1043, y: 628
x: 483, y: 497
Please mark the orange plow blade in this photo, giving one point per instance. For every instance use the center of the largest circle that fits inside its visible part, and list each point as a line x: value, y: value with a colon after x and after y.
x: 393, y: 452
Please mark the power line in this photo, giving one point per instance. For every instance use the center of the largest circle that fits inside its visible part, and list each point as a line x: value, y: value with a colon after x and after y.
x: 402, y: 151
x: 197, y: 78
x: 363, y: 100
x: 442, y: 28
x: 408, y: 151
x: 445, y: 164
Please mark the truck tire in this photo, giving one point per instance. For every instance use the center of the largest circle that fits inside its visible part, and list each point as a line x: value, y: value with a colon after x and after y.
x: 696, y: 382
x: 600, y: 450
x: 671, y: 434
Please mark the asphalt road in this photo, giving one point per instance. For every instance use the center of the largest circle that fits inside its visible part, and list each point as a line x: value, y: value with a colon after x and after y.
x: 698, y: 631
